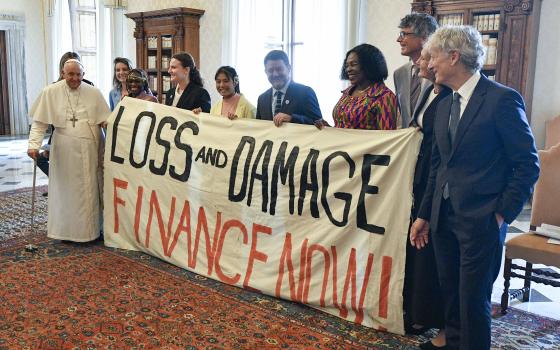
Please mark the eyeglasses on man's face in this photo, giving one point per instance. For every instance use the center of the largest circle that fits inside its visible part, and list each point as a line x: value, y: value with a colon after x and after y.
x: 403, y: 35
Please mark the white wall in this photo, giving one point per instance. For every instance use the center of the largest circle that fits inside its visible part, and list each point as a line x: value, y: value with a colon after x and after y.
x: 35, y: 62
x: 546, y: 93
x: 210, y: 34
x: 382, y: 31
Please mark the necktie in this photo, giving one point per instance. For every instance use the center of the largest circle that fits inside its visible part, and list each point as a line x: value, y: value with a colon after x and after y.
x: 277, y: 102
x: 414, y: 89
x: 453, y: 123
x: 454, y: 116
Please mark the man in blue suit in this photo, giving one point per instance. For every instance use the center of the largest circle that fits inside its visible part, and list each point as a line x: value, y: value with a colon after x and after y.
x: 484, y: 164
x: 286, y: 101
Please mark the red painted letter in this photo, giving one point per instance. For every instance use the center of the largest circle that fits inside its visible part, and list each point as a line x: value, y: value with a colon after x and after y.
x: 255, y: 254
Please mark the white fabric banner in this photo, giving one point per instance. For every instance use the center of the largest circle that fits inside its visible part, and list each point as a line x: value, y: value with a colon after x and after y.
x: 314, y: 216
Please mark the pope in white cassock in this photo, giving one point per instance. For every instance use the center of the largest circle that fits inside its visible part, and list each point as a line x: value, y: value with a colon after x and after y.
x: 76, y: 110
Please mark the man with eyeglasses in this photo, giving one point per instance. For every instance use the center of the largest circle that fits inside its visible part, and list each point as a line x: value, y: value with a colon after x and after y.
x: 409, y: 87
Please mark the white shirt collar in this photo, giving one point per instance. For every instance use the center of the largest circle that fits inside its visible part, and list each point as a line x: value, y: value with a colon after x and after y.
x: 466, y: 90
x: 178, y: 91
x: 283, y: 90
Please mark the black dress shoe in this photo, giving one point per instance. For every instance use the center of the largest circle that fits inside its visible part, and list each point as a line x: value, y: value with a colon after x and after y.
x: 430, y: 346
x: 415, y: 331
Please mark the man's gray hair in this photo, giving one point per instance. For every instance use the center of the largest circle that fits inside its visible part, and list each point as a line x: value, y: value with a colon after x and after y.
x: 422, y: 24
x: 463, y: 39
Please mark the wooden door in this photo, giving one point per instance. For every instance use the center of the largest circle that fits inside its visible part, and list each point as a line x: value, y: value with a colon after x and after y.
x: 4, y: 96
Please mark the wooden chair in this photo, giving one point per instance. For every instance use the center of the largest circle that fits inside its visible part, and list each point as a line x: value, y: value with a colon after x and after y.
x: 533, y: 248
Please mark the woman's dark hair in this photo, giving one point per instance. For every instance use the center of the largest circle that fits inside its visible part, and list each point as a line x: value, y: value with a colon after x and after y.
x: 140, y: 75
x: 126, y: 62
x: 372, y: 63
x: 67, y: 56
x: 231, y: 74
x: 188, y: 61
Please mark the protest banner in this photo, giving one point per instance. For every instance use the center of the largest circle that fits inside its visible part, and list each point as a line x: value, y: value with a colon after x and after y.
x: 314, y: 216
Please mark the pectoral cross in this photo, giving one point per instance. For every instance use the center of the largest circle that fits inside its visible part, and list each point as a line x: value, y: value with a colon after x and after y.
x: 73, y: 120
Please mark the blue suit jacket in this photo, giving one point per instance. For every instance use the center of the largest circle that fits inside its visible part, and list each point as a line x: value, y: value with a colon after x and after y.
x: 493, y: 163
x: 300, y: 102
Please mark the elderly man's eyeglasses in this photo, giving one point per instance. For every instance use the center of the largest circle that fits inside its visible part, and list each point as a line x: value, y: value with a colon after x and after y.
x: 402, y: 35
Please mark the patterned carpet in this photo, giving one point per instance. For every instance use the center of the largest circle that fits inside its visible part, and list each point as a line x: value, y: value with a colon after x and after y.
x: 15, y: 215
x: 87, y: 296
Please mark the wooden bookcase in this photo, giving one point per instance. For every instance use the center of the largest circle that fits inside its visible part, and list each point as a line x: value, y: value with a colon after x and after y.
x: 515, y: 35
x: 160, y: 34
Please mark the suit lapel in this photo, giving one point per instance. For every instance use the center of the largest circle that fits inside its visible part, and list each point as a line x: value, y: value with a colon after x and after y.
x: 169, y: 97
x: 471, y: 111
x: 405, y: 91
x: 288, y: 98
x: 421, y: 101
x: 184, y: 96
x: 441, y: 127
x: 268, y: 104
x: 425, y: 85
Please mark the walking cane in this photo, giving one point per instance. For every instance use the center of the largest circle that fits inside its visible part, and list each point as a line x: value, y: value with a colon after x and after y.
x: 31, y: 247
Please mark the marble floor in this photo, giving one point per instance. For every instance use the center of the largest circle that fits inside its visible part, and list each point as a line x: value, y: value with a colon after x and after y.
x: 16, y: 171
x: 16, y: 168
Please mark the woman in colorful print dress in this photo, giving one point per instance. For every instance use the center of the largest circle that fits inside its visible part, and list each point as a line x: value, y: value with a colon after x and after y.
x: 367, y: 104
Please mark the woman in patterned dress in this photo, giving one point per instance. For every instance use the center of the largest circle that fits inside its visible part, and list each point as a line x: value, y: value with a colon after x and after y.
x: 367, y: 103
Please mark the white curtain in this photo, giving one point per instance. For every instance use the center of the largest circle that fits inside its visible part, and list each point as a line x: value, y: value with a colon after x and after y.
x: 325, y: 29
x: 110, y: 27
x: 61, y: 36
x: 106, y: 35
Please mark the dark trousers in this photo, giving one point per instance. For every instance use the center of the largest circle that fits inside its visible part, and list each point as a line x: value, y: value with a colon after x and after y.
x: 468, y: 255
x: 43, y: 163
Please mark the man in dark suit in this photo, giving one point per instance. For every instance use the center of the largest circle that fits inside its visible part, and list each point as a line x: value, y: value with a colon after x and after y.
x: 286, y: 101
x: 484, y: 164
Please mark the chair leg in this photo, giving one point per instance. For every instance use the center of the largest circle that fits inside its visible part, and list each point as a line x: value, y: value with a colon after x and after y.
x: 505, y: 294
x: 527, y: 284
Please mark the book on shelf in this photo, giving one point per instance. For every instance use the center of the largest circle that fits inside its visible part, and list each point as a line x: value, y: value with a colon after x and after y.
x: 165, y: 62
x: 152, y: 83
x: 152, y: 42
x: 492, y: 51
x: 491, y: 45
x: 166, y: 42
x: 453, y: 20
x: 485, y: 42
x: 151, y: 62
x: 488, y: 22
x: 166, y: 82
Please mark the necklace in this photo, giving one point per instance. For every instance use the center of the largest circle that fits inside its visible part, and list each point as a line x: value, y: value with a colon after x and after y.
x: 364, y: 89
x: 357, y: 92
x: 73, y: 119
